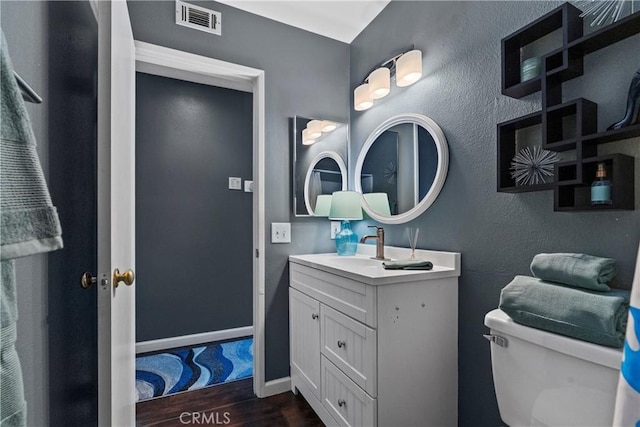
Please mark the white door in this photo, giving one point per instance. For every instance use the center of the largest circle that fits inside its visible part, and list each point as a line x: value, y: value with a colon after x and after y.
x: 116, y: 215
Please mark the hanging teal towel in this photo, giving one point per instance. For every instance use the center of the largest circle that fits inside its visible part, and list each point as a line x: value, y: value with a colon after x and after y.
x: 408, y: 264
x: 28, y: 225
x: 580, y: 270
x: 597, y: 317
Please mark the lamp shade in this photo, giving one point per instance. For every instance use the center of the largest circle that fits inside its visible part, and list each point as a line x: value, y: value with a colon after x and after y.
x: 362, y: 98
x: 306, y: 139
x: 323, y: 205
x: 409, y: 68
x: 380, y: 83
x: 315, y: 128
x: 345, y: 205
x: 378, y: 202
x: 328, y: 126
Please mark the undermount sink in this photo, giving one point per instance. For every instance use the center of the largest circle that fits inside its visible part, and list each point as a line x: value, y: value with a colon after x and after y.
x: 363, y: 268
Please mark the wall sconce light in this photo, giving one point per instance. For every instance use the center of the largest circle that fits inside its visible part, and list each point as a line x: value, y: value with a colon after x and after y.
x: 405, y: 66
x: 315, y: 129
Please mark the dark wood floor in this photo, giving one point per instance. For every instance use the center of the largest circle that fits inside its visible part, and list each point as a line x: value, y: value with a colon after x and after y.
x: 231, y: 404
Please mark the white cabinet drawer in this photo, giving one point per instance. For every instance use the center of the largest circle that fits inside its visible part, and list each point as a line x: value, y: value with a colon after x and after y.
x: 345, y: 401
x: 351, y: 346
x: 351, y: 297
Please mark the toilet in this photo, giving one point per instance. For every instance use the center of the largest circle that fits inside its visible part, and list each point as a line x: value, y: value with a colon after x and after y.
x: 545, y: 379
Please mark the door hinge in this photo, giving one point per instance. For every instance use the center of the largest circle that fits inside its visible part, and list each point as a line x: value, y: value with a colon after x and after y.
x: 257, y: 253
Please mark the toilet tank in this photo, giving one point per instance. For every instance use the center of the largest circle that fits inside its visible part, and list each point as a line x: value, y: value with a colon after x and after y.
x: 545, y: 379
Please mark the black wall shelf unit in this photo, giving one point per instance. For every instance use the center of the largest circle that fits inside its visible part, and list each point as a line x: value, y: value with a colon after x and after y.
x: 570, y: 125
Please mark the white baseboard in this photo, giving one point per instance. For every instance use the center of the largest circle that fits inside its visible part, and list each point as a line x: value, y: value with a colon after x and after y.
x: 281, y: 385
x: 186, y: 340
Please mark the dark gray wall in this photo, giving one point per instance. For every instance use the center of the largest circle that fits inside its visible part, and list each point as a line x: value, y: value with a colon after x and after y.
x: 54, y: 47
x: 193, y: 234
x: 305, y: 74
x: 497, y: 234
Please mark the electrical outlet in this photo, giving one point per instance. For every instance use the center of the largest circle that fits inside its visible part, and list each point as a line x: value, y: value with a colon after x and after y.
x: 280, y: 232
x: 335, y: 229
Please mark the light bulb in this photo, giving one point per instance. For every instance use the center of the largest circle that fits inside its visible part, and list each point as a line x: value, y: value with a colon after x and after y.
x: 409, y: 68
x: 362, y: 98
x: 379, y: 83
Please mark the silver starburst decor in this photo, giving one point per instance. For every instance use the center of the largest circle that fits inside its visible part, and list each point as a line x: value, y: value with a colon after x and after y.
x: 533, y: 166
x: 605, y: 12
x: 390, y: 172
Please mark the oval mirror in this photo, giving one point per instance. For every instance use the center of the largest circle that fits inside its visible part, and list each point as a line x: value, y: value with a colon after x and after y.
x: 327, y: 173
x: 406, y: 158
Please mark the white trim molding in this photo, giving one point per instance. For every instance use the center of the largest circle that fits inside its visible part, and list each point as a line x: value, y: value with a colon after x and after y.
x: 163, y: 61
x: 193, y: 339
x: 281, y: 385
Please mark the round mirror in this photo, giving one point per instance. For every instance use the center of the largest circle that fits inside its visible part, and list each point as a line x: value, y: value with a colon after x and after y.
x: 406, y: 159
x: 327, y: 173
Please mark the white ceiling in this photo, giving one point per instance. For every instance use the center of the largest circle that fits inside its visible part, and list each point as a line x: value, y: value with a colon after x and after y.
x: 340, y: 20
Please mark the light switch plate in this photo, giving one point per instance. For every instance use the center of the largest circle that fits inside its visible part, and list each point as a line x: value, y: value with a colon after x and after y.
x: 335, y: 229
x: 248, y: 186
x: 280, y: 232
x: 235, y: 183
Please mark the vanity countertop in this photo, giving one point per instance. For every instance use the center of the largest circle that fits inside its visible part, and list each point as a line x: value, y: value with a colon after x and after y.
x: 362, y: 268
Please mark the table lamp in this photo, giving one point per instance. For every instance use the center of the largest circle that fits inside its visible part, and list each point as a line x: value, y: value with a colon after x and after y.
x: 323, y: 205
x: 346, y: 206
x: 378, y: 202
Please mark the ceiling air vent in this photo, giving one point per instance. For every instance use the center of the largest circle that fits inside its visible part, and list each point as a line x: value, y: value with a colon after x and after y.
x: 198, y: 18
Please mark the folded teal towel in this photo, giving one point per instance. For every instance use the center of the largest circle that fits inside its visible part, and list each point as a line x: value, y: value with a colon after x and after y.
x: 597, y: 317
x: 580, y: 270
x: 408, y: 264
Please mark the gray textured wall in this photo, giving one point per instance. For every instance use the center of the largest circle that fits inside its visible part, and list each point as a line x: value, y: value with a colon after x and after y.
x: 54, y: 47
x: 189, y: 139
x: 496, y: 233
x: 305, y: 74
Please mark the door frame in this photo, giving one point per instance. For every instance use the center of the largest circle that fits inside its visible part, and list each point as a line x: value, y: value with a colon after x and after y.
x: 167, y: 62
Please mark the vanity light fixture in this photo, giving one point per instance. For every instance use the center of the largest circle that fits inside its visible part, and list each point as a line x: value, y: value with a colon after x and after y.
x: 315, y: 129
x: 306, y: 139
x: 406, y: 67
x: 328, y: 126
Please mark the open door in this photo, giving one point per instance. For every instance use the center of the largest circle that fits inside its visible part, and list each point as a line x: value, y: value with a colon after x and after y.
x: 116, y: 215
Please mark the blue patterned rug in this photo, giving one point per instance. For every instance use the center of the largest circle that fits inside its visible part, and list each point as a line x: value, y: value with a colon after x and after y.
x: 191, y: 368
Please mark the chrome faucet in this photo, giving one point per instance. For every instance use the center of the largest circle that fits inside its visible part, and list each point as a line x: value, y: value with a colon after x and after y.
x: 379, y: 236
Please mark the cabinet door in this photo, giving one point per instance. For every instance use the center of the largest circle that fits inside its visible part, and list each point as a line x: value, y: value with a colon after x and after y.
x: 304, y: 326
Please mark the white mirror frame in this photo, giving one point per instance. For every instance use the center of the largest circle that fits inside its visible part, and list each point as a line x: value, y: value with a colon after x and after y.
x: 320, y: 156
x: 441, y: 171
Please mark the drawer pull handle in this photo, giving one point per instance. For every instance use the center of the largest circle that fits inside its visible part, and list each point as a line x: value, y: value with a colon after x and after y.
x: 314, y: 316
x: 341, y: 344
x: 341, y: 402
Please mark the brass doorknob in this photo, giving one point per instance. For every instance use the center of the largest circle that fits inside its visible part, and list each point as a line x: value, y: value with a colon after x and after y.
x: 87, y: 280
x: 127, y: 277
